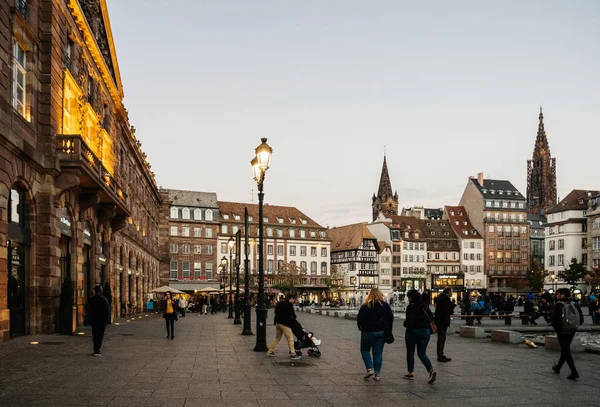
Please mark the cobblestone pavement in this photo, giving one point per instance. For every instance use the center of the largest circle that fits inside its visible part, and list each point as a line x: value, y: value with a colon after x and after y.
x: 210, y: 364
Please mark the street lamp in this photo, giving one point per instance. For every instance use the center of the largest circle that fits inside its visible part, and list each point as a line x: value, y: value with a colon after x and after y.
x: 260, y: 165
x: 247, y: 308
x: 223, y: 269
x: 230, y: 244
x: 237, y: 320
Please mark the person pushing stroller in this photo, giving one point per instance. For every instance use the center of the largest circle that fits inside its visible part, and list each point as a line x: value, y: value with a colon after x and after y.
x: 285, y: 316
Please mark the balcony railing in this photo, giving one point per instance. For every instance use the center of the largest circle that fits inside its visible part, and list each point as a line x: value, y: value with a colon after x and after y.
x: 368, y: 273
x: 74, y: 152
x: 497, y: 220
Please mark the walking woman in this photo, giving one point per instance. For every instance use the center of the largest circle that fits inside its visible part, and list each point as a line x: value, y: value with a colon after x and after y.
x: 374, y: 315
x: 168, y: 306
x: 418, y: 323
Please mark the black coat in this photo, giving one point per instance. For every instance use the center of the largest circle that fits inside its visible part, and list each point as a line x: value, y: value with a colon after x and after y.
x: 557, y: 315
x: 418, y: 316
x: 443, y: 309
x: 99, y: 310
x: 369, y: 319
x: 284, y: 313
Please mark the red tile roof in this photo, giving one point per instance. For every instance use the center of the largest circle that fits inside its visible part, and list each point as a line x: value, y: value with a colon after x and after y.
x: 288, y: 214
x: 577, y: 199
x: 349, y: 237
x: 460, y: 223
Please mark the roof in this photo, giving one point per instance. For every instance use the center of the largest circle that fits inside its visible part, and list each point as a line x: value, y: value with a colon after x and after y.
x: 498, y: 189
x: 536, y: 221
x: 276, y: 215
x: 192, y: 198
x: 434, y: 213
x: 349, y: 237
x: 407, y: 224
x: 577, y: 199
x: 439, y: 234
x: 460, y: 223
x: 383, y: 246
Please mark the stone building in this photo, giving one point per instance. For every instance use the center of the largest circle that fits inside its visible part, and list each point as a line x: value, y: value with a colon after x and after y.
x: 189, y: 225
x: 499, y: 213
x: 593, y: 230
x: 541, y: 174
x: 471, y: 249
x: 385, y: 201
x: 385, y: 267
x: 78, y: 201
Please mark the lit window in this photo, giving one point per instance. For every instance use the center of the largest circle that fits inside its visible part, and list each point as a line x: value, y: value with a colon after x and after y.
x: 20, y: 81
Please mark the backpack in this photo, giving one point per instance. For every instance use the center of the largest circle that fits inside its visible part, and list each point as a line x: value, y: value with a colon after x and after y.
x: 569, y: 318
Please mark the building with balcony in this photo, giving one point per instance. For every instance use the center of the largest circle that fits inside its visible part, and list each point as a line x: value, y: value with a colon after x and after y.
x: 188, y: 239
x: 537, y: 233
x: 593, y: 231
x: 471, y: 249
x: 80, y: 198
x: 385, y: 268
x: 499, y: 213
x: 355, y: 254
x: 567, y: 234
x: 296, y: 248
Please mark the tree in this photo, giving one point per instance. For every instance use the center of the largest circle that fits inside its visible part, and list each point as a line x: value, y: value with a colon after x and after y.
x: 289, y: 275
x: 593, y: 278
x: 573, y: 274
x: 336, y: 280
x: 536, y: 277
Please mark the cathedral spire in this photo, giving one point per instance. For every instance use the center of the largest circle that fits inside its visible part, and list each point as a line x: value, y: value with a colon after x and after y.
x: 385, y: 185
x: 541, y: 141
x: 541, y: 173
x: 385, y: 201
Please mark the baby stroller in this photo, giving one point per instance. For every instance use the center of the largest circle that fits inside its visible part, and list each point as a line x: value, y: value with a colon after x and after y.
x: 305, y: 340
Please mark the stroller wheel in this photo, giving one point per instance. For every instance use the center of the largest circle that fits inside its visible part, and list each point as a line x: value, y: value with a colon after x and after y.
x: 311, y: 352
x: 317, y: 354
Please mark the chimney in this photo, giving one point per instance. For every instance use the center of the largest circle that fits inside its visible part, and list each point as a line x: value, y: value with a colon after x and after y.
x: 480, y: 178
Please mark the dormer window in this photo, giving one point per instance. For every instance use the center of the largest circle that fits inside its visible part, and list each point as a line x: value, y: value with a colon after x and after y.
x: 174, y: 213
x: 416, y: 235
x: 452, y: 213
x: 406, y: 235
x: 265, y: 219
x: 185, y: 213
x: 428, y: 223
x: 465, y: 232
x: 236, y: 217
x: 446, y: 233
x: 249, y: 218
x: 293, y: 221
x: 432, y: 233
x: 460, y: 213
x: 442, y: 224
x: 280, y: 220
x: 304, y: 222
x: 500, y: 192
x: 226, y: 217
x: 492, y: 192
x: 197, y: 214
x: 456, y: 222
x: 465, y: 223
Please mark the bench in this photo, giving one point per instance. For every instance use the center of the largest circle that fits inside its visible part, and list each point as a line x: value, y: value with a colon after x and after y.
x: 472, y: 332
x: 551, y: 343
x: 502, y: 335
x: 507, y: 318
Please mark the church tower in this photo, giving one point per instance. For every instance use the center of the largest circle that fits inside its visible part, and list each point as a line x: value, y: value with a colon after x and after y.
x: 541, y: 173
x: 384, y: 201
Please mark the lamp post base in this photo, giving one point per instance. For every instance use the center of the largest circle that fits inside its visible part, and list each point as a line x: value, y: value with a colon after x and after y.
x: 237, y: 320
x: 261, y: 329
x: 247, y: 322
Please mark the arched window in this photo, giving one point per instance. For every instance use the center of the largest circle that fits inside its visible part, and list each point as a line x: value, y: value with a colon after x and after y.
x: 174, y: 213
x: 197, y: 214
x: 208, y: 215
x: 185, y: 213
x: 323, y: 268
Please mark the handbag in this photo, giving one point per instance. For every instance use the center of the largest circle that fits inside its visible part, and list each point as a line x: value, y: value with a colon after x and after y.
x: 388, y: 335
x: 432, y: 326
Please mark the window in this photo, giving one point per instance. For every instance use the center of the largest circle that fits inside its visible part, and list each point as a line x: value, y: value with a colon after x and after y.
x: 280, y: 232
x: 173, y: 247
x: 236, y: 217
x: 197, y: 249
x: 208, y: 232
x: 223, y: 229
x: 466, y: 256
x: 223, y: 247
x: 596, y: 244
x: 270, y: 232
x: 279, y: 220
x: 280, y: 250
x: 292, y: 233
x: 208, y: 270
x: 173, y: 230
x: 323, y: 252
x: 313, y: 267
x: 185, y: 214
x: 185, y: 269
x: 561, y: 259
x: 209, y: 249
x: 20, y: 81
x: 302, y: 233
x: 322, y: 234
x: 185, y: 248
x: 174, y: 271
x: 197, y: 214
x: 174, y: 213
x: 197, y: 232
x: 292, y: 250
x: 185, y: 231
x: 234, y: 229
x: 208, y: 215
x: 270, y: 250
x: 226, y: 217
x: 303, y: 266
x: 323, y: 268
x: 313, y: 234
x: 270, y: 266
x: 561, y: 243
x: 302, y: 250
x: 491, y: 228
x: 265, y: 219
x: 551, y: 260
x: 552, y: 245
x: 313, y: 251
x: 197, y: 270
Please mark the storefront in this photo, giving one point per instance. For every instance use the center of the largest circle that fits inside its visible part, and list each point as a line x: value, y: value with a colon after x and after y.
x: 441, y: 281
x: 408, y: 284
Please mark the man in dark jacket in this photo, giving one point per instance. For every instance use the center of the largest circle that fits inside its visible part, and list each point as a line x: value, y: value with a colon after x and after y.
x: 99, y: 317
x: 284, y: 318
x: 443, y: 309
x: 563, y: 296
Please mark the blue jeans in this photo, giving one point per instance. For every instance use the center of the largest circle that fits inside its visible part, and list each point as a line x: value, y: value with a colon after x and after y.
x: 375, y: 341
x: 420, y: 339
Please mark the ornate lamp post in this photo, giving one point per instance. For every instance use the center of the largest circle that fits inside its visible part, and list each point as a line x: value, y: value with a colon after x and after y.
x: 223, y: 269
x: 247, y: 308
x: 260, y: 165
x: 237, y: 310
x: 230, y: 244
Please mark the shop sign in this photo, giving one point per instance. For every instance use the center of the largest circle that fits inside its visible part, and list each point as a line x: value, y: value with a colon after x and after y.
x: 64, y: 222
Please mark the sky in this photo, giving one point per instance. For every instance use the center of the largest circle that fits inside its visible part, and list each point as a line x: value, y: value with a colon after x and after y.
x: 445, y: 89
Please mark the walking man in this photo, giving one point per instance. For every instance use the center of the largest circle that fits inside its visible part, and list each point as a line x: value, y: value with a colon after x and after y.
x: 99, y: 317
x: 565, y: 327
x: 284, y: 317
x: 443, y: 309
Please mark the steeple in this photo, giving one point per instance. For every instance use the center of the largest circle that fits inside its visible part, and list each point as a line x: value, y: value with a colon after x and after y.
x: 541, y: 173
x: 385, y: 200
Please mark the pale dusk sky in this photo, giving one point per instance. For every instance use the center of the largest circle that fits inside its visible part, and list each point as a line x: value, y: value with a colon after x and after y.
x: 451, y: 88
